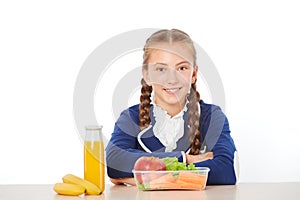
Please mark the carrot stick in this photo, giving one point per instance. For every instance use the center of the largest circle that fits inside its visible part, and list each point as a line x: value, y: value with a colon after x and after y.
x: 185, y: 180
x: 191, y: 178
x: 168, y: 178
x: 187, y: 185
x: 165, y: 185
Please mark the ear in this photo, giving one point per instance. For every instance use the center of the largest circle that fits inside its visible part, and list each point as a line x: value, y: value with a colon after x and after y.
x: 194, y: 75
x: 146, y: 76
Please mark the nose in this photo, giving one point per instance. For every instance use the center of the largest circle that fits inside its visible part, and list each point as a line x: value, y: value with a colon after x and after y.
x: 172, y: 76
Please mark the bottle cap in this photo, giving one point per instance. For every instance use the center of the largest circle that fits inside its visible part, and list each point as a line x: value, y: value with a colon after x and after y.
x: 93, y: 127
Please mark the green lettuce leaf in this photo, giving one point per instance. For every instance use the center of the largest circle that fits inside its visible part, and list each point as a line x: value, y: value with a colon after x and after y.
x: 172, y: 163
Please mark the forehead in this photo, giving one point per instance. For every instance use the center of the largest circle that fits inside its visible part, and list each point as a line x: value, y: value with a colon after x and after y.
x: 170, y: 53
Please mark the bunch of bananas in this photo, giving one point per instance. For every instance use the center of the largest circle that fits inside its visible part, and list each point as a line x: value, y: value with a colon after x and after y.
x: 74, y: 185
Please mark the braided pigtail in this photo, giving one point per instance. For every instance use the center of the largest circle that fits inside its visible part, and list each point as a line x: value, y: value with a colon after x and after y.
x: 194, y: 98
x: 145, y: 101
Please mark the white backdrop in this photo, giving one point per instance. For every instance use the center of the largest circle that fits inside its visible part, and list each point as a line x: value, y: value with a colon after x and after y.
x: 254, y: 45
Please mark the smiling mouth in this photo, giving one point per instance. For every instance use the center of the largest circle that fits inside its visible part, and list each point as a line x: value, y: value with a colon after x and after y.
x: 172, y: 90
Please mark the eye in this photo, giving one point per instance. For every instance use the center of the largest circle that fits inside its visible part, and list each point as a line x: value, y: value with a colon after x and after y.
x: 160, y: 68
x: 183, y: 67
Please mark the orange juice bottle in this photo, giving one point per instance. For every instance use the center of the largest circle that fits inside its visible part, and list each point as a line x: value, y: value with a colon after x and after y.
x: 94, y: 167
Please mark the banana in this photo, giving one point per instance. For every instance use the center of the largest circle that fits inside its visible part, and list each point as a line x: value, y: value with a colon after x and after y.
x: 68, y: 189
x: 90, y: 188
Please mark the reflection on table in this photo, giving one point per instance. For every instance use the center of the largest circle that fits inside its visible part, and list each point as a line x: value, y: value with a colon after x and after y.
x: 244, y: 191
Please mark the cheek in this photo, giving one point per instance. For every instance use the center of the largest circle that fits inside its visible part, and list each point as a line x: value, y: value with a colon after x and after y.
x: 186, y: 79
x: 157, y: 87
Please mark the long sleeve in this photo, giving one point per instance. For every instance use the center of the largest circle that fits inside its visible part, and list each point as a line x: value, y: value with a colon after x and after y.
x: 124, y: 149
x: 218, y: 140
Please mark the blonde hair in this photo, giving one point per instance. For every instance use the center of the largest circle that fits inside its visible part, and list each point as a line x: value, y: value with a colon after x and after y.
x: 171, y: 36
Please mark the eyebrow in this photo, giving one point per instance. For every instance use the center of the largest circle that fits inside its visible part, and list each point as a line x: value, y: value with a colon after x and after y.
x: 182, y: 62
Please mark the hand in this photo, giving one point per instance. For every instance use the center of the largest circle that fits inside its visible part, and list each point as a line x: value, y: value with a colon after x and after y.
x: 119, y: 181
x: 199, y: 158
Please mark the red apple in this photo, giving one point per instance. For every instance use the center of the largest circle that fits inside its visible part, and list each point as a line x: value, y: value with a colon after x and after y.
x: 148, y: 163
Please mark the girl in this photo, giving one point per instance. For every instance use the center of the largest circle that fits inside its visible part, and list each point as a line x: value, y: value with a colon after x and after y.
x: 176, y: 123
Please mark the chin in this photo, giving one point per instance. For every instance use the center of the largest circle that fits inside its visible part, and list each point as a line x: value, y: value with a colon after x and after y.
x: 174, y: 102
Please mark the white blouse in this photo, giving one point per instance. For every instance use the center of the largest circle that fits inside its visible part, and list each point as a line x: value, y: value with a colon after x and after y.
x: 168, y: 129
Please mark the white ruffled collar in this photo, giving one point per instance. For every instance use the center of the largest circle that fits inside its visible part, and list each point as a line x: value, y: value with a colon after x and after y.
x: 168, y: 129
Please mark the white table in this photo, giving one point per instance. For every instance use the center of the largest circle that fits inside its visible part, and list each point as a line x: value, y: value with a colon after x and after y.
x: 243, y: 191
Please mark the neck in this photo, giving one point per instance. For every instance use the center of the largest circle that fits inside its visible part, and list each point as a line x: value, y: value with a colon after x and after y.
x: 172, y: 109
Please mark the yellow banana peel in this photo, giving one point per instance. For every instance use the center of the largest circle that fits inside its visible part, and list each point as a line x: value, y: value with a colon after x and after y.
x: 68, y: 189
x: 90, y: 188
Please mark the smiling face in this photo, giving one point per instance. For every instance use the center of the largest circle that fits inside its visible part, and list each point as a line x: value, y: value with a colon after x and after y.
x: 170, y: 74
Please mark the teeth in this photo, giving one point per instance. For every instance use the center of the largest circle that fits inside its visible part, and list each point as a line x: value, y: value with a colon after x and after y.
x: 172, y: 90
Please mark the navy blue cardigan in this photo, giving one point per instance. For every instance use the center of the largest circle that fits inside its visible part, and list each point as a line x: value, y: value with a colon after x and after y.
x: 127, y: 144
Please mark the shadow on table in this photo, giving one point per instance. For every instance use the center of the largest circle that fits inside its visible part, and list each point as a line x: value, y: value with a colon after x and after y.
x: 170, y: 194
x: 210, y: 193
x: 81, y: 197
